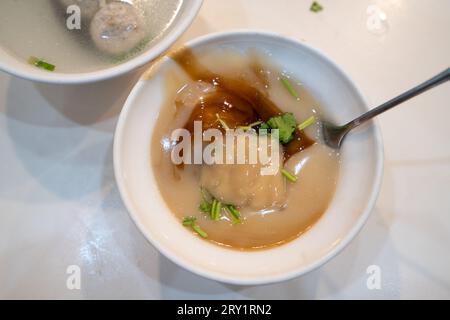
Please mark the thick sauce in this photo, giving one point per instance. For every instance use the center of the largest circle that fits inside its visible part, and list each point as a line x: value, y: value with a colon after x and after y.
x: 238, y: 101
x: 242, y: 88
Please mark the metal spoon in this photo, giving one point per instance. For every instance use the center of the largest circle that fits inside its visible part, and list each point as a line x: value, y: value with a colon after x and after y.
x: 333, y: 135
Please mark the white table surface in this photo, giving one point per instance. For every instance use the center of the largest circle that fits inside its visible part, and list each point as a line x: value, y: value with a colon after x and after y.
x: 59, y: 204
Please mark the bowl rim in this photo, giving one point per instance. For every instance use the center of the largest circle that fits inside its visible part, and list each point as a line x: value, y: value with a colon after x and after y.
x: 94, y: 76
x: 283, y: 276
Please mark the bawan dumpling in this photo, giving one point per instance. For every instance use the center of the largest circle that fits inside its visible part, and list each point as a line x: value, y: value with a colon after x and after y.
x: 243, y: 184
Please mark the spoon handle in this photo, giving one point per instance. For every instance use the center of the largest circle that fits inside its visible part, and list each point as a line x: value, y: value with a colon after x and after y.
x: 436, y: 80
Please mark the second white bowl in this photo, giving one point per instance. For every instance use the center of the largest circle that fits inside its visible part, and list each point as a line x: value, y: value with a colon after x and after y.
x: 22, y: 69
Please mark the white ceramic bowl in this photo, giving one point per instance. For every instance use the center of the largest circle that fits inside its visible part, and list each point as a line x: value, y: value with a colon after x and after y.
x: 187, y: 14
x: 357, y: 189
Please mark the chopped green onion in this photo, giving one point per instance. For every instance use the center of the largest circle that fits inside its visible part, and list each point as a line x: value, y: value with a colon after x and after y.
x: 210, y: 205
x: 213, y: 209
x: 287, y: 84
x: 250, y: 126
x: 199, y: 230
x: 41, y: 64
x: 289, y: 176
x: 223, y: 123
x: 234, y: 213
x: 191, y: 222
x: 205, y: 205
x: 46, y: 66
x: 216, y: 207
x: 218, y: 210
x: 305, y: 124
x: 316, y: 7
x: 235, y: 220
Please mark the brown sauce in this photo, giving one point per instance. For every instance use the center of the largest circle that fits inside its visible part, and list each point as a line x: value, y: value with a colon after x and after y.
x: 238, y: 102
